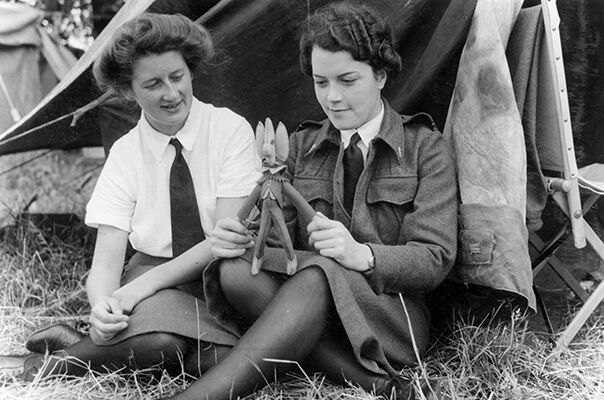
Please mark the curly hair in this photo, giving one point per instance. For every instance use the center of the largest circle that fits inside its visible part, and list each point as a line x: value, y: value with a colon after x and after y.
x: 356, y: 29
x: 151, y: 34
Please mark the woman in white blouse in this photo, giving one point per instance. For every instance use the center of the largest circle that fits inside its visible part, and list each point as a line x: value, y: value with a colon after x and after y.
x: 151, y: 312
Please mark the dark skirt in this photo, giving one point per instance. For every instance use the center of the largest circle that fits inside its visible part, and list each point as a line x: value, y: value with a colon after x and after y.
x: 180, y: 310
x: 375, y: 324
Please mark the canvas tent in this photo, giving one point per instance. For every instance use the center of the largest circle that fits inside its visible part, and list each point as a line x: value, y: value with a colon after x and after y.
x: 31, y: 63
x: 257, y: 75
x: 257, y: 72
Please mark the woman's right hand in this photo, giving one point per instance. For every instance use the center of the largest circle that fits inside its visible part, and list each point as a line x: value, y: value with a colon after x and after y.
x: 230, y: 238
x: 106, y: 320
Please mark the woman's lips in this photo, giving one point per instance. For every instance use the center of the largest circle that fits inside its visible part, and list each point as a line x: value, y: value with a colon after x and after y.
x: 172, y: 106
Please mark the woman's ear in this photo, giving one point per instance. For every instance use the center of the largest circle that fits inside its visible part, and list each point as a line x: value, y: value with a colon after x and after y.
x: 128, y: 94
x: 381, y: 78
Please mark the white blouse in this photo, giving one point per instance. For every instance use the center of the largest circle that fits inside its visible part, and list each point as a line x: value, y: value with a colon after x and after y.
x: 132, y: 192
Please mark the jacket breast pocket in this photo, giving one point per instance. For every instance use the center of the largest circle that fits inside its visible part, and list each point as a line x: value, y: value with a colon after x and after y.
x: 389, y: 199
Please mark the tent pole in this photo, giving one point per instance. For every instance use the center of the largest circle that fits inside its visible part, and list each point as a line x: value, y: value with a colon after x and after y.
x: 14, y: 113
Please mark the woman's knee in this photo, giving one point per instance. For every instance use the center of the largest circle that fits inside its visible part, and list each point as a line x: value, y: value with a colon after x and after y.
x: 313, y: 278
x: 158, y: 343
x: 235, y: 276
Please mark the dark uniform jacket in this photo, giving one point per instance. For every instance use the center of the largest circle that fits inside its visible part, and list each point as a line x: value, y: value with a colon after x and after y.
x: 405, y: 206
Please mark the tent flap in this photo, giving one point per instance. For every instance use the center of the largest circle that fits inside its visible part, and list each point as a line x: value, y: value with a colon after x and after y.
x: 257, y: 72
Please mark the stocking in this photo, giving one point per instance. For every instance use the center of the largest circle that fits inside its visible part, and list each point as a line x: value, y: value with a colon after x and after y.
x: 164, y: 350
x: 288, y: 329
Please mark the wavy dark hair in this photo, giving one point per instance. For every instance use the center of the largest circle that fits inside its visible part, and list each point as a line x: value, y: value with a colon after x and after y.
x: 148, y: 34
x: 354, y: 28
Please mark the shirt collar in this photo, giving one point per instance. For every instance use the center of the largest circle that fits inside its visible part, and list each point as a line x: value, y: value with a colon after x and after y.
x: 390, y: 132
x: 158, y: 142
x: 367, y: 131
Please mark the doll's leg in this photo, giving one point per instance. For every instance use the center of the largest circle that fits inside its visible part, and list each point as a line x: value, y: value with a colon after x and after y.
x: 288, y: 329
x: 286, y: 241
x: 265, y: 225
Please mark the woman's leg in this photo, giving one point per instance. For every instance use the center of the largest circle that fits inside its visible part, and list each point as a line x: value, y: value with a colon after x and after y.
x: 202, y: 356
x: 164, y: 350
x: 290, y: 326
x: 332, y: 355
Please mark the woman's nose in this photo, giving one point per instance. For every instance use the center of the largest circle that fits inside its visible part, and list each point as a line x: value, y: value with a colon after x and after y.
x: 333, y: 94
x: 170, y: 92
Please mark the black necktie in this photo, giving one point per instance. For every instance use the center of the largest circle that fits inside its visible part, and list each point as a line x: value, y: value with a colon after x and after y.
x: 353, y: 166
x: 184, y: 213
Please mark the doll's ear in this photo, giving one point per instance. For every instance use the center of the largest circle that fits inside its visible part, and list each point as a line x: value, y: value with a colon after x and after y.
x: 269, y: 141
x: 259, y: 137
x: 281, y: 142
x: 269, y: 132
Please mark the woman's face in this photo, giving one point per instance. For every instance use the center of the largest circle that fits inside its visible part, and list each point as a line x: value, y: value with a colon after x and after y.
x: 161, y: 85
x: 348, y: 90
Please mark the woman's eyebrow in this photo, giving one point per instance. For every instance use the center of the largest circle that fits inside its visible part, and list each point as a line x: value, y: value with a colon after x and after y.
x: 339, y: 76
x: 347, y: 73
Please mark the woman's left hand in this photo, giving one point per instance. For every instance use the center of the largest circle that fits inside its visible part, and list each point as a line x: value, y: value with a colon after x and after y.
x: 331, y: 239
x: 133, y: 293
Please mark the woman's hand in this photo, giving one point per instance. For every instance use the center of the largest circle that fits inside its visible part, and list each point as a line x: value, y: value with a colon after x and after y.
x: 132, y: 293
x: 331, y: 239
x: 230, y: 238
x: 106, y: 320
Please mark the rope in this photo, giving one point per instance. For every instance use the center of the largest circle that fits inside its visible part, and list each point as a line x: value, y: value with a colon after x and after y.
x: 26, y: 162
x: 14, y: 113
x: 44, y: 125
x: 77, y: 114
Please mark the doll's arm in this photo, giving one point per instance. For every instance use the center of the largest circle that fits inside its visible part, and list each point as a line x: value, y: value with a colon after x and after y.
x: 251, y: 200
x: 298, y: 201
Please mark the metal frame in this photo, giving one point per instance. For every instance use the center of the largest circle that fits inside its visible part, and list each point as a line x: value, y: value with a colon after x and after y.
x: 565, y: 191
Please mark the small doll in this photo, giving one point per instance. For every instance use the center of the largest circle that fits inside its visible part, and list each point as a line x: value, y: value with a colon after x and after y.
x: 273, y: 147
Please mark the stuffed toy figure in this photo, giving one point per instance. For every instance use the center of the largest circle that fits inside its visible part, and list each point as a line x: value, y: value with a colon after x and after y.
x: 268, y: 194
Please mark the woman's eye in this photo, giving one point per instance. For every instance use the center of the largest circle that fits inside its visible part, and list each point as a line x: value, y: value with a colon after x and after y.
x: 151, y: 85
x: 177, y: 78
x: 320, y: 83
x: 348, y: 81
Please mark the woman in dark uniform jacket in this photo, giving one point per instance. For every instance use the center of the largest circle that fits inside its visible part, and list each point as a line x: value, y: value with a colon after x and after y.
x: 353, y: 310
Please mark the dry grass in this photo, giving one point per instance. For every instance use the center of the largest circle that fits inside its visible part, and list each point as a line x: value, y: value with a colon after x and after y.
x: 511, y: 362
x: 56, y: 181
x: 41, y: 282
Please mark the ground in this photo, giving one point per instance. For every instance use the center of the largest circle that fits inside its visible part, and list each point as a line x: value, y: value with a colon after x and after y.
x: 41, y: 282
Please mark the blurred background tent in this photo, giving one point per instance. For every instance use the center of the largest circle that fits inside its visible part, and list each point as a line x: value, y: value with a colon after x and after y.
x: 257, y: 72
x: 31, y: 61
